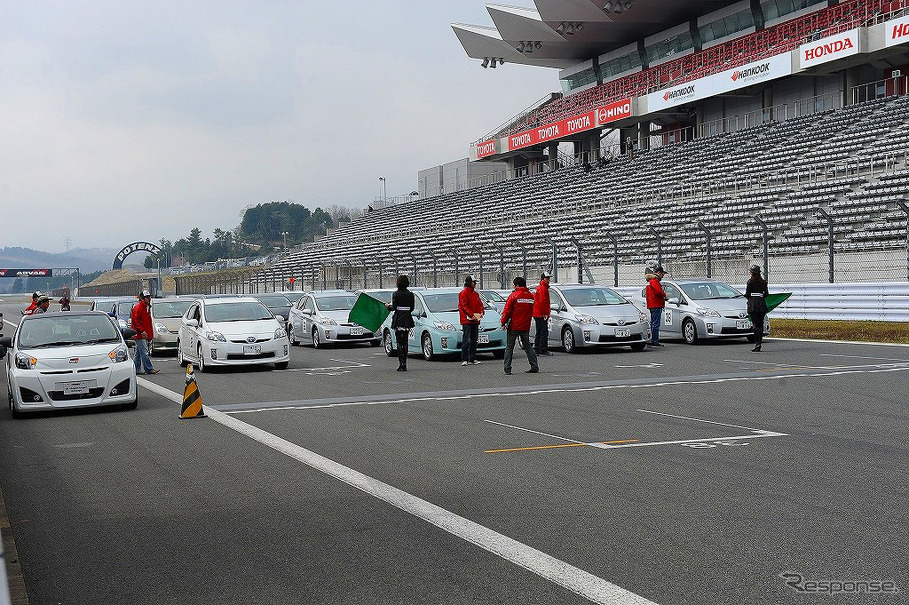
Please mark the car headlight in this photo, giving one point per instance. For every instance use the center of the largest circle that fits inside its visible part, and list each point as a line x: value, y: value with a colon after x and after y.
x: 327, y: 321
x: 160, y: 328
x: 444, y: 325
x: 214, y: 336
x: 119, y: 354
x: 707, y: 312
x: 644, y: 317
x: 24, y: 362
x: 280, y: 333
x: 585, y: 319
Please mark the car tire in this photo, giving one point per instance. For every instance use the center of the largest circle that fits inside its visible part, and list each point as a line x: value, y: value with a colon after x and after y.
x: 201, y: 363
x: 290, y: 335
x: 375, y: 343
x: 180, y: 359
x: 132, y: 405
x: 690, y: 332
x: 151, y: 347
x: 315, y: 338
x: 390, y: 349
x: 426, y: 347
x: 639, y: 346
x: 568, y: 341
x: 12, y: 406
x: 281, y: 365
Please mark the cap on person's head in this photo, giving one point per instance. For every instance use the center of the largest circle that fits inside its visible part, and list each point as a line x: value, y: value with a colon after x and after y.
x: 545, y: 275
x: 520, y: 282
x: 755, y: 269
x: 469, y: 280
x: 36, y: 294
x: 146, y: 294
x: 43, y: 299
x: 659, y: 269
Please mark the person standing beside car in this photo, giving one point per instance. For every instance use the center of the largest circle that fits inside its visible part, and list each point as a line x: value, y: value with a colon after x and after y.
x: 516, y: 318
x: 471, y: 310
x: 656, y: 301
x: 402, y: 303
x: 541, y: 311
x: 141, y: 322
x: 756, y: 294
x: 41, y: 305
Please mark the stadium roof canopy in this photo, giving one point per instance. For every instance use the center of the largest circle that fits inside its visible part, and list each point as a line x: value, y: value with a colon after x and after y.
x: 565, y: 32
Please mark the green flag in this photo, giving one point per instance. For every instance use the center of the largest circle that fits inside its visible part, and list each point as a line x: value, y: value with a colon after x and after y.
x: 368, y: 312
x: 775, y: 300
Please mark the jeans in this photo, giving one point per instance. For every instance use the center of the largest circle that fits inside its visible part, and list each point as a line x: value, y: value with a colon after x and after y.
x: 541, y: 338
x: 511, y: 336
x: 470, y: 335
x: 401, y: 338
x: 141, y: 358
x: 656, y: 316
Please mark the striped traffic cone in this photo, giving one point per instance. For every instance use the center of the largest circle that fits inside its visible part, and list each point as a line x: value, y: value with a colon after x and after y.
x: 192, y: 399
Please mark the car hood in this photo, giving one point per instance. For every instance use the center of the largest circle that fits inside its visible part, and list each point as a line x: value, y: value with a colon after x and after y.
x: 72, y: 358
x: 342, y: 317
x: 171, y: 323
x: 491, y: 319
x: 241, y: 329
x: 627, y: 312
x: 730, y: 307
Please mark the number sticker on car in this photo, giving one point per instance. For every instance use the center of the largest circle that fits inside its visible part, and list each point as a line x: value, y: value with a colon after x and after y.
x: 622, y: 333
x: 252, y: 349
x: 356, y: 331
x: 483, y: 339
x: 667, y: 317
x: 76, y: 387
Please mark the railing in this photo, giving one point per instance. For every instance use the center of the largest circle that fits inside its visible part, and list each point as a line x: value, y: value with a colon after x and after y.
x: 881, y: 89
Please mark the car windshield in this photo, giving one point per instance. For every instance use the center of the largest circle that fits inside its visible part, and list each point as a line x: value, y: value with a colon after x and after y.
x: 274, y: 301
x: 170, y: 308
x: 592, y: 297
x: 237, y: 311
x: 56, y: 331
x: 382, y: 295
x: 441, y: 303
x: 492, y: 295
x: 294, y: 296
x: 125, y: 309
x: 336, y: 303
x: 709, y: 291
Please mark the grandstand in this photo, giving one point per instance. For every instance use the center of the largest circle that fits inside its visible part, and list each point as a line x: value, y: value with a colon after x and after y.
x: 772, y: 131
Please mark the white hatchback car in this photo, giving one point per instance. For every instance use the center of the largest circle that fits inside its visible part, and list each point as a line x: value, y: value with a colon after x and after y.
x: 231, y: 332
x: 66, y: 360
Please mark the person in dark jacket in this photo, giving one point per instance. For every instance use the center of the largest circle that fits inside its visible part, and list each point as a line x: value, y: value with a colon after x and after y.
x: 471, y: 311
x: 402, y: 303
x: 541, y: 311
x: 756, y: 292
x: 516, y: 318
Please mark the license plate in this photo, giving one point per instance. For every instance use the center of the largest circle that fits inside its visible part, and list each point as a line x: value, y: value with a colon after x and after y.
x: 483, y: 339
x: 78, y: 387
x: 622, y: 333
x: 743, y: 325
x: 252, y: 349
x: 356, y: 331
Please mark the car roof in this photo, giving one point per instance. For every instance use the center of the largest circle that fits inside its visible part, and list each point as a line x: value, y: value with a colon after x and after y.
x: 320, y: 293
x: 696, y: 280
x: 228, y: 300
x: 577, y: 286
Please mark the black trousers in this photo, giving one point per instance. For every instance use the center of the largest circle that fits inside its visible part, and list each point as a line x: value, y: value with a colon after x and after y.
x: 401, y: 338
x: 757, y: 320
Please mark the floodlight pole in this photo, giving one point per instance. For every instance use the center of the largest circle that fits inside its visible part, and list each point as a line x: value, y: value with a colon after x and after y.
x: 765, y: 238
x: 659, y: 243
x: 457, y: 268
x: 829, y: 220
x: 501, y: 264
x: 905, y: 209
x: 414, y: 260
x: 555, y: 260
x: 709, y: 236
x: 615, y: 256
x: 523, y: 250
x: 435, y: 268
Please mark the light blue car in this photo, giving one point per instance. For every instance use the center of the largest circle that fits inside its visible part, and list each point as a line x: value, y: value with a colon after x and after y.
x: 437, y: 328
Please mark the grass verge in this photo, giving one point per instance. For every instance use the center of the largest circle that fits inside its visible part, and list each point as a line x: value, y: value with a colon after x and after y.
x: 864, y: 331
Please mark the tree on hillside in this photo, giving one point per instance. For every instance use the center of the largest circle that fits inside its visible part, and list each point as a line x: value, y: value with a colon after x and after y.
x: 266, y: 223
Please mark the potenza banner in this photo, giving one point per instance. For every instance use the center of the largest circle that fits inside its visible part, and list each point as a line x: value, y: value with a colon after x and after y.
x: 896, y: 31
x: 26, y: 272
x: 556, y: 130
x: 771, y: 68
x: 829, y: 49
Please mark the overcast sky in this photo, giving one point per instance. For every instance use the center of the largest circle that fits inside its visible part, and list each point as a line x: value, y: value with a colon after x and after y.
x: 140, y: 120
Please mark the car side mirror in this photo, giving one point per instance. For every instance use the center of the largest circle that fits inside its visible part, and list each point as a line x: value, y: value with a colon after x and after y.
x: 192, y: 323
x: 2, y: 351
x: 554, y: 308
x: 673, y: 301
x: 128, y: 333
x: 280, y: 318
x: 7, y: 342
x: 307, y: 312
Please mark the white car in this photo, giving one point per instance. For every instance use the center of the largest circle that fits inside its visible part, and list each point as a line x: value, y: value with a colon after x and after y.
x: 72, y: 359
x: 321, y: 318
x: 231, y: 332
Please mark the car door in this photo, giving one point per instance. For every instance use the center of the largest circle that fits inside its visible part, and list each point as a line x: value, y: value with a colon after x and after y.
x: 296, y: 318
x: 557, y: 317
x: 673, y: 312
x: 308, y: 318
x: 189, y: 334
x: 419, y: 320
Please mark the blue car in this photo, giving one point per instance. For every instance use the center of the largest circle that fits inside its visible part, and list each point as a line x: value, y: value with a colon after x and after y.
x: 437, y: 328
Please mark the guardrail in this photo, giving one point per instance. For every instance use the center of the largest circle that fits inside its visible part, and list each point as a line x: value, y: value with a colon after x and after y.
x: 857, y: 302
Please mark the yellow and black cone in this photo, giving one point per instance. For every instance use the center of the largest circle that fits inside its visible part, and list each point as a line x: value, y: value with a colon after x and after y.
x: 192, y: 399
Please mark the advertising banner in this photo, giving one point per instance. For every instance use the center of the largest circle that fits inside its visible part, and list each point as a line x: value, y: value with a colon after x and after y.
x: 557, y: 130
x: 771, y: 68
x: 896, y: 31
x: 828, y: 49
x: 486, y: 149
x: 26, y: 272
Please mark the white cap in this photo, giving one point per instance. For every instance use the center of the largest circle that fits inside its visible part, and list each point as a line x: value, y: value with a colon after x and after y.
x: 145, y: 293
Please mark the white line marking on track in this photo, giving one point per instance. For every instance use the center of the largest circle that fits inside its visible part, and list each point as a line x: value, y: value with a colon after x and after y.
x: 521, y: 428
x: 863, y: 357
x: 554, y: 570
x: 735, y: 426
x: 606, y: 446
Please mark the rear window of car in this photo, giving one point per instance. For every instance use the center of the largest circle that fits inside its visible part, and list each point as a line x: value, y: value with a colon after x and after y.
x: 237, y: 311
x: 274, y: 301
x: 592, y: 297
x: 709, y: 290
x: 42, y: 332
x: 336, y: 303
x: 441, y: 303
x: 170, y: 309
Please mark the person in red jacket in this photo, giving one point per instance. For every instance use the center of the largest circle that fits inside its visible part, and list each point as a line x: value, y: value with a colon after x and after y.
x: 541, y: 311
x: 471, y: 310
x: 516, y: 317
x: 140, y: 321
x: 30, y: 309
x: 656, y: 300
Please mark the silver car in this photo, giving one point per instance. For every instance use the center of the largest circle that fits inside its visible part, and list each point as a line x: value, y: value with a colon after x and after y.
x: 321, y: 318
x: 703, y: 308
x: 167, y: 317
x: 594, y: 316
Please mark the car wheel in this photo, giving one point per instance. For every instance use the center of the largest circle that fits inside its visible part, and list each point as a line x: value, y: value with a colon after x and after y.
x: 201, y: 359
x: 290, y: 335
x: 12, y: 406
x: 690, y: 332
x: 374, y: 343
x: 389, y: 345
x: 428, y: 353
x: 151, y: 347
x: 180, y: 359
x: 132, y: 405
x: 316, y: 343
x: 568, y: 340
x: 282, y: 365
x: 639, y: 346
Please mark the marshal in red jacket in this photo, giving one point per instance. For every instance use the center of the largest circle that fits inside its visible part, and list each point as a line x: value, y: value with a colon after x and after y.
x: 518, y: 310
